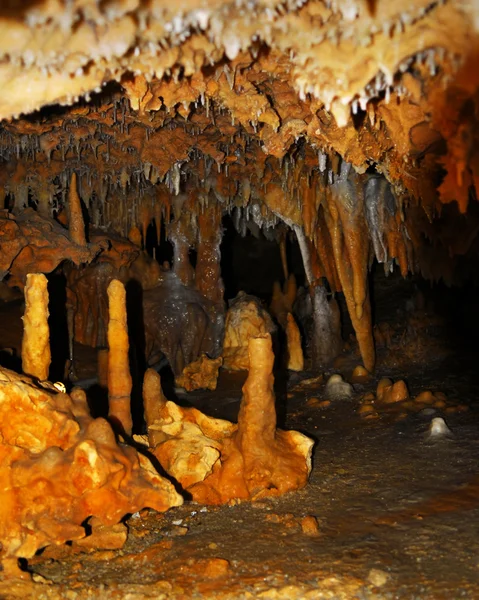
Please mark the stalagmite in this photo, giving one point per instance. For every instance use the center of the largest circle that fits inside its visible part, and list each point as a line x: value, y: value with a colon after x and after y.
x: 245, y: 319
x: 180, y: 236
x: 438, y: 429
x: 119, y: 378
x: 102, y: 367
x: 59, y: 467
x: 338, y: 389
x: 295, y: 351
x: 76, y: 224
x: 36, y: 356
x: 153, y: 403
x: 216, y: 461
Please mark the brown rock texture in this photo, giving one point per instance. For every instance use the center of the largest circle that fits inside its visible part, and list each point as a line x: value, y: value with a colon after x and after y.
x: 216, y: 461
x: 59, y: 467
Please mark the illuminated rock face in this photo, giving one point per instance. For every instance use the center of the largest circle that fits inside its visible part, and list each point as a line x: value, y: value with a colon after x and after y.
x: 59, y: 467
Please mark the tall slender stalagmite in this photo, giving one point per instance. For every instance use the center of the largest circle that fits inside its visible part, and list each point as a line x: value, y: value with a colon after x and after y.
x: 119, y: 378
x: 295, y: 351
x: 36, y: 356
x: 76, y: 225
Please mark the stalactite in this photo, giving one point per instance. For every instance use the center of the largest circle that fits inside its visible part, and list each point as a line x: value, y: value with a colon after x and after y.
x: 326, y: 326
x: 119, y: 378
x: 76, y: 225
x: 36, y: 356
x: 284, y: 258
x: 345, y: 219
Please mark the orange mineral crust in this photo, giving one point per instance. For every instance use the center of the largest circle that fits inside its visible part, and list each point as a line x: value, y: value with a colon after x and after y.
x: 59, y: 467
x: 217, y: 461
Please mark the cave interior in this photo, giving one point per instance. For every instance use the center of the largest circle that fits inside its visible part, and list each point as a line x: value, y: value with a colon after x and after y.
x: 238, y: 338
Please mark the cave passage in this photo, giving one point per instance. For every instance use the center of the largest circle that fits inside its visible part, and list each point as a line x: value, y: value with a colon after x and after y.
x: 239, y: 248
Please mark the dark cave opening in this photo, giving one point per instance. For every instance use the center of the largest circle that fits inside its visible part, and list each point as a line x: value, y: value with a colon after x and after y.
x: 252, y: 262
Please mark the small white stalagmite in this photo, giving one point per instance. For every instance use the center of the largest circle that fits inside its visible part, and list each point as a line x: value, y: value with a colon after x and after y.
x: 338, y: 389
x: 438, y: 429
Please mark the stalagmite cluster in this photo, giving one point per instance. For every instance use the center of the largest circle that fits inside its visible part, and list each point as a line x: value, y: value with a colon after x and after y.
x: 60, y: 467
x: 217, y: 461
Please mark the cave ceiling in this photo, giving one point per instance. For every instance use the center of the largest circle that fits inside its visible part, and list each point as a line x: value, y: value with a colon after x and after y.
x: 158, y: 107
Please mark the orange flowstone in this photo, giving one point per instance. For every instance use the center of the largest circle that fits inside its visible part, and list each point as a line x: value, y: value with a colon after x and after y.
x: 217, y: 461
x: 58, y: 466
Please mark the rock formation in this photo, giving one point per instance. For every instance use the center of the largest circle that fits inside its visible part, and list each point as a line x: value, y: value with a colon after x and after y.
x: 246, y: 319
x: 215, y: 460
x: 60, y: 466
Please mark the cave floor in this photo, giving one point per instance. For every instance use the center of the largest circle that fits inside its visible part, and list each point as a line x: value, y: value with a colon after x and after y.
x: 398, y: 515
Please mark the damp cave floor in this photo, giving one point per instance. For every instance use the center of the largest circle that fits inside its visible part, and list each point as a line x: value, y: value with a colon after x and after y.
x: 398, y: 515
